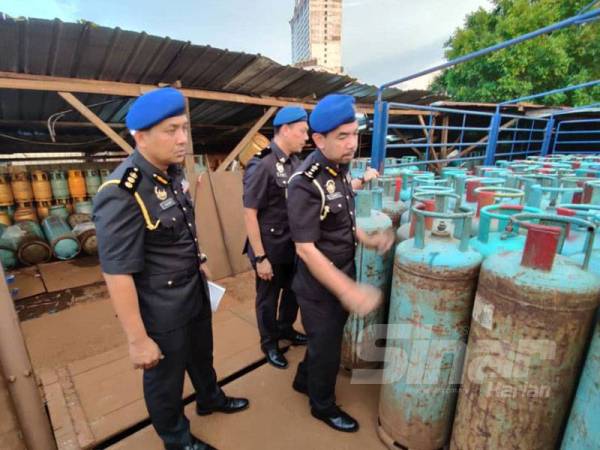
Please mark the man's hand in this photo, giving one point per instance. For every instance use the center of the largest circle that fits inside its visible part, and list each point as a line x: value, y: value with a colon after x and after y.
x: 144, y: 353
x: 382, y: 240
x: 264, y: 270
x: 207, y: 273
x: 362, y: 299
x: 370, y: 174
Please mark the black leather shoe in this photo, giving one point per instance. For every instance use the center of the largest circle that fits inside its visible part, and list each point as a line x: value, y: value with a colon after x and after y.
x: 300, y: 387
x: 337, y: 419
x: 231, y: 405
x: 196, y: 444
x: 276, y: 358
x: 295, y: 337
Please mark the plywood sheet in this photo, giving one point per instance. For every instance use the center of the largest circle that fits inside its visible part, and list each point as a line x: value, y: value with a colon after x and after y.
x: 276, y: 407
x: 109, y: 390
x: 228, y: 189
x: 28, y: 282
x: 61, y: 275
x: 210, y: 234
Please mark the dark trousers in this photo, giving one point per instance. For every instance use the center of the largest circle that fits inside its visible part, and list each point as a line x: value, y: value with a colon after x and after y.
x: 271, y: 325
x: 323, y: 321
x: 186, y: 349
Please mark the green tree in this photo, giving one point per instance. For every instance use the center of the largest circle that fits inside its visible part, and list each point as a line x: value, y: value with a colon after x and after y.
x: 566, y: 57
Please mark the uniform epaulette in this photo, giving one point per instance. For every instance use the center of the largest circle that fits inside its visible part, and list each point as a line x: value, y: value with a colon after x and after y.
x: 312, y: 171
x: 264, y: 152
x: 131, y: 179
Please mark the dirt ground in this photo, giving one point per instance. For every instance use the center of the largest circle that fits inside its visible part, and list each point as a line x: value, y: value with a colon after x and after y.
x: 92, y: 327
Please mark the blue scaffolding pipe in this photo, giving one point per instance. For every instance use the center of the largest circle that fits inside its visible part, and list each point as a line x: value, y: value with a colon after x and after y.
x: 578, y: 19
x: 553, y: 91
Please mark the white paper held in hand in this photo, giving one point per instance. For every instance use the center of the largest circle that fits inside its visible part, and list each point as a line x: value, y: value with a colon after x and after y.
x: 216, y: 293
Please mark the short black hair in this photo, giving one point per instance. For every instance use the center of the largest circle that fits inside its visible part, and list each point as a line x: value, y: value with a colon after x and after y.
x: 276, y: 130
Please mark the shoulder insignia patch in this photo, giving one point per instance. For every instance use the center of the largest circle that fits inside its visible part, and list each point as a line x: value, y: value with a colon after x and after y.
x: 131, y: 179
x: 264, y: 152
x: 312, y: 171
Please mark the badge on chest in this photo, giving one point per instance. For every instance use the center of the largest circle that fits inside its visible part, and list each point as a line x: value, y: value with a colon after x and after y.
x: 332, y: 194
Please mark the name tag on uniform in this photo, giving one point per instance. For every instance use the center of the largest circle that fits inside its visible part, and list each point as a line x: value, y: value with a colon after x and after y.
x: 334, y: 196
x: 167, y: 203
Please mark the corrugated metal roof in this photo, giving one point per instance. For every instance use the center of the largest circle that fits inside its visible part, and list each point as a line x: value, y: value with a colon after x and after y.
x: 88, y: 51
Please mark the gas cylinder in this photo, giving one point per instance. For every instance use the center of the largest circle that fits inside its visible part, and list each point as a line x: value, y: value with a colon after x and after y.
x: 42, y: 191
x: 43, y: 209
x: 60, y: 187
x: 494, y: 234
x: 573, y: 240
x: 86, y: 235
x: 591, y: 192
x: 8, y: 255
x: 490, y: 195
x: 59, y: 211
x: 92, y: 181
x: 62, y: 240
x: 6, y: 194
x: 360, y: 334
x: 27, y: 237
x: 433, y: 287
x: 531, y: 321
x: 393, y: 206
x: 76, y: 219
x: 83, y: 207
x: 8, y: 210
x: 66, y: 204
x: 104, y: 174
x: 21, y: 187
x: 5, y: 218
x: 582, y: 431
x: 25, y: 211
x: 76, y: 184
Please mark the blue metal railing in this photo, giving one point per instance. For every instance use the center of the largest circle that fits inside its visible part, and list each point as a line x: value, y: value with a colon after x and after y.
x: 537, y: 140
x: 577, y: 136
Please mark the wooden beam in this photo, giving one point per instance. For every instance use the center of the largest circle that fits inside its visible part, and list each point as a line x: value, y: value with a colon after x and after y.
x: 246, y: 139
x: 189, y: 163
x: 89, y: 115
x: 10, y: 80
x: 444, y: 148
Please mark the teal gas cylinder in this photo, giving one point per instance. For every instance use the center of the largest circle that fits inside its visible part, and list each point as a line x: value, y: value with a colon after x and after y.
x: 583, y: 430
x: 493, y: 236
x: 591, y: 192
x: 59, y: 184
x: 104, y: 174
x: 572, y: 241
x: 433, y: 287
x: 393, y: 206
x: 28, y: 239
x: 490, y: 195
x: 409, y: 160
x: 92, y: 181
x: 59, y: 211
x: 8, y: 251
x: 440, y: 203
x: 360, y: 333
x: 62, y: 240
x: 83, y: 207
x: 547, y: 197
x: 531, y: 321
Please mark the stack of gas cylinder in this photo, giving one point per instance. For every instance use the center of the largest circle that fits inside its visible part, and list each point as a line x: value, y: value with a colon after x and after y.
x: 492, y: 333
x: 51, y: 212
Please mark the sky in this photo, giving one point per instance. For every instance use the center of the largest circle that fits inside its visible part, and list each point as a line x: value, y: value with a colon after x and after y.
x: 382, y: 40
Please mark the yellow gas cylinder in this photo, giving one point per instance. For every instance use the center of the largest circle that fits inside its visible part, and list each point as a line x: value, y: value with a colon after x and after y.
x: 43, y: 209
x: 6, y: 194
x: 42, y: 190
x: 21, y: 187
x: 25, y: 211
x: 76, y: 184
x: 5, y: 218
x: 257, y: 143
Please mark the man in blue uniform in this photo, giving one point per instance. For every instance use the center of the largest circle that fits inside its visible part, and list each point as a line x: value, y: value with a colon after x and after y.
x: 152, y: 265
x: 269, y: 245
x: 323, y: 226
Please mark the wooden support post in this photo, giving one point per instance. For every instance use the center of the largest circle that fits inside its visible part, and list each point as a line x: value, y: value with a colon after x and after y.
x: 189, y: 163
x: 89, y: 115
x: 444, y: 148
x: 246, y: 139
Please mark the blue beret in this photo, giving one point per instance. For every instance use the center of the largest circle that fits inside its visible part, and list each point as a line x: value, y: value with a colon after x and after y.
x: 154, y: 107
x: 289, y: 114
x: 331, y: 112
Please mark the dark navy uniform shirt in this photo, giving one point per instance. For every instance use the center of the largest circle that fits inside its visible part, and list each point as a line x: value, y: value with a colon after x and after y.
x: 145, y: 227
x: 265, y: 189
x: 321, y: 210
